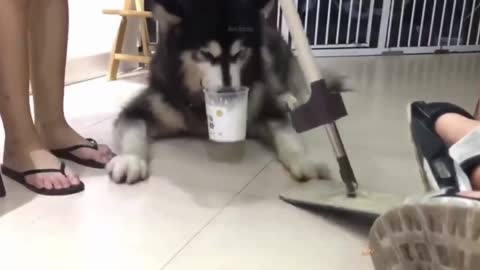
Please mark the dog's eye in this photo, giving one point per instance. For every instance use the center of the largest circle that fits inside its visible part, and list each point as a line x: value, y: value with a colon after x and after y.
x: 240, y: 55
x: 207, y: 55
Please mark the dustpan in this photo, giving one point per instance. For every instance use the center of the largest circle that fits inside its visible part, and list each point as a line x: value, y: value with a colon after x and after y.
x: 324, y: 108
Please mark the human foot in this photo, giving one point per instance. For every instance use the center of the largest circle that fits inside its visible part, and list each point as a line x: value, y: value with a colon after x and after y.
x: 446, y: 140
x: 452, y: 127
x: 436, y: 166
x: 68, y: 144
x: 33, y: 158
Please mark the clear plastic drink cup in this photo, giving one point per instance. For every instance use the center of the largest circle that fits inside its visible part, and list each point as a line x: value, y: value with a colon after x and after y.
x: 227, y: 114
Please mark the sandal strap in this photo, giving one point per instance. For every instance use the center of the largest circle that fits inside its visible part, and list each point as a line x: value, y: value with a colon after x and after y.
x: 24, y: 174
x: 93, y: 145
x: 61, y: 170
x: 31, y: 172
x: 434, y: 110
x: 67, y: 154
x: 469, y: 165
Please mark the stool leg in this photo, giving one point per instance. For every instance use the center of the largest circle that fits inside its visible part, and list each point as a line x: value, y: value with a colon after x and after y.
x: 118, y: 45
x: 145, y: 38
x: 140, y: 6
x: 117, y: 48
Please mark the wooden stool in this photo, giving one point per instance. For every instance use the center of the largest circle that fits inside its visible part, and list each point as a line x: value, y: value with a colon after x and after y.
x: 130, y: 10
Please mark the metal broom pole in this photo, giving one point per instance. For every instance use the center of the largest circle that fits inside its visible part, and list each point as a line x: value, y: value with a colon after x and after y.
x: 313, y: 75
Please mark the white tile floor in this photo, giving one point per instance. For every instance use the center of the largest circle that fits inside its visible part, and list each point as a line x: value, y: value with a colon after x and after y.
x: 195, y: 213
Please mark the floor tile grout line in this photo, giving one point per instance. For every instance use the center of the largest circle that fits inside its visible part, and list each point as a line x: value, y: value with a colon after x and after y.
x: 215, y: 216
x: 99, y: 122
x: 90, y: 125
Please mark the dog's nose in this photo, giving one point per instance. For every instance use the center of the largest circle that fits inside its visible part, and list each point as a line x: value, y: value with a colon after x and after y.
x: 212, y: 84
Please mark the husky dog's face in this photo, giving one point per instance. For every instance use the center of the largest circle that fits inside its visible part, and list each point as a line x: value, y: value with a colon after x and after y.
x: 216, y: 39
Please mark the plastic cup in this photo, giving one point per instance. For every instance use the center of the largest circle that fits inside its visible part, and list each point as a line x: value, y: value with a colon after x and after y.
x: 227, y: 114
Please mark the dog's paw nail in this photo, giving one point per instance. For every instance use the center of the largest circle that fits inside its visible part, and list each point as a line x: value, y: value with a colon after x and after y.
x: 127, y: 168
x: 304, y: 169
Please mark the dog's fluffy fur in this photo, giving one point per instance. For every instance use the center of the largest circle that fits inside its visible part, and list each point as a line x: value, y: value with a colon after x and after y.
x: 210, y: 44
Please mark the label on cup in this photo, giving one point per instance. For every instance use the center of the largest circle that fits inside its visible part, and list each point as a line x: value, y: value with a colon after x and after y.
x: 227, y: 123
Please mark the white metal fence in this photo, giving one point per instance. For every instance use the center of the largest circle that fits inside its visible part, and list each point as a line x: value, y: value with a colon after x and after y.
x: 373, y: 27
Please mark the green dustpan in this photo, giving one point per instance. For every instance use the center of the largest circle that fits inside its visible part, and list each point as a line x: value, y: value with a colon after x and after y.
x: 332, y: 196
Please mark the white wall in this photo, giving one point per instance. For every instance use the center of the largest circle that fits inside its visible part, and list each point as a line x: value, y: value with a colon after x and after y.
x: 91, y: 32
x: 91, y: 37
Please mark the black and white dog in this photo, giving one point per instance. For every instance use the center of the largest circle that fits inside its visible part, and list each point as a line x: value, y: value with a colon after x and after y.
x: 210, y: 44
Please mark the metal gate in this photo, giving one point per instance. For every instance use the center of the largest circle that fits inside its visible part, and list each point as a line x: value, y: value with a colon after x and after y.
x: 375, y: 27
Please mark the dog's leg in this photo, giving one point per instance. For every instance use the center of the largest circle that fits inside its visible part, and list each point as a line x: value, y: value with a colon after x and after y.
x: 146, y: 117
x: 291, y: 151
x: 131, y: 138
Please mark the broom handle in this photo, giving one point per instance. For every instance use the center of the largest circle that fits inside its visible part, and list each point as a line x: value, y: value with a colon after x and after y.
x: 305, y: 56
x: 313, y: 74
x: 307, y: 62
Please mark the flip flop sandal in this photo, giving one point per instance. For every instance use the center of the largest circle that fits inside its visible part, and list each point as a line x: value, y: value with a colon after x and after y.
x: 66, y: 153
x: 442, y: 232
x: 3, y: 192
x: 437, y: 168
x: 20, y: 177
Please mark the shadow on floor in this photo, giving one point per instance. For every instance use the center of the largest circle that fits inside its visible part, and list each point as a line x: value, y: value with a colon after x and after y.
x: 357, y: 223
x: 202, y: 169
x: 17, y: 196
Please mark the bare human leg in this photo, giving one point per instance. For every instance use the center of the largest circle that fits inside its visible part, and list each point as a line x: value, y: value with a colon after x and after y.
x: 48, y: 37
x: 452, y: 127
x: 23, y: 149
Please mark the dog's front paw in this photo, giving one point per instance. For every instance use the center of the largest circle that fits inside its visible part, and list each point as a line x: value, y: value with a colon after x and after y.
x: 304, y: 169
x: 288, y: 102
x: 127, y: 168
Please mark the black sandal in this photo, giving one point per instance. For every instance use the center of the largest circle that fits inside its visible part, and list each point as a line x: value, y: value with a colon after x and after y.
x: 20, y: 178
x: 429, y: 146
x: 3, y: 192
x: 66, y: 153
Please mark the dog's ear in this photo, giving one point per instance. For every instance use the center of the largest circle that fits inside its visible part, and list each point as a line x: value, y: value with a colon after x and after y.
x: 177, y: 8
x: 171, y: 12
x: 265, y: 6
